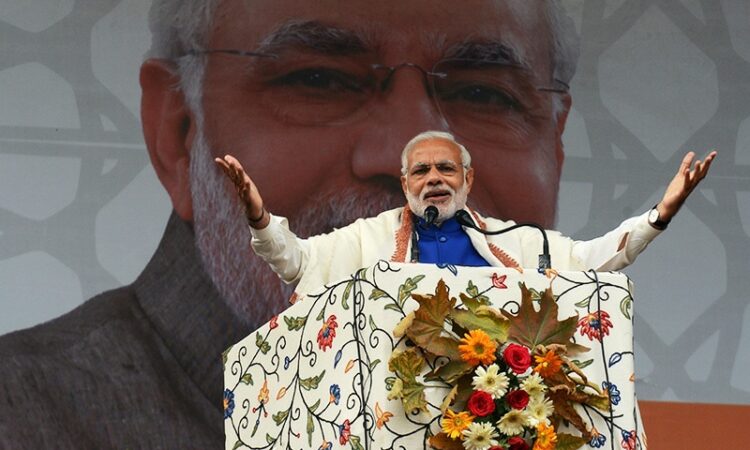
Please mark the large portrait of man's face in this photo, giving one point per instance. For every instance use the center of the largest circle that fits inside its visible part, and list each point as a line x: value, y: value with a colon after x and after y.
x: 317, y: 102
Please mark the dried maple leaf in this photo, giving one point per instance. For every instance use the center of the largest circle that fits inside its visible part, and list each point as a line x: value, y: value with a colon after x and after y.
x: 531, y: 327
x: 426, y: 329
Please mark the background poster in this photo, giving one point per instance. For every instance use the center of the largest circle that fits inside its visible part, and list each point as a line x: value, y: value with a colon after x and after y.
x: 81, y: 210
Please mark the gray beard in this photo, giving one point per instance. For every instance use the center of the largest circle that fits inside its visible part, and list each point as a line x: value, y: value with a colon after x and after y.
x: 418, y: 204
x: 249, y: 287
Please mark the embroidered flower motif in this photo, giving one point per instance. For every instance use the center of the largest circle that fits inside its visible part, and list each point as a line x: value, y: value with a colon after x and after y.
x: 326, y: 445
x: 453, y: 423
x: 612, y: 391
x: 595, y: 325
x: 274, y: 322
x: 546, y: 439
x: 382, y: 417
x: 228, y: 403
x: 327, y: 333
x: 628, y: 440
x: 597, y: 439
x: 547, y: 365
x: 335, y: 394
x: 499, y: 281
x: 477, y: 348
x: 345, y: 430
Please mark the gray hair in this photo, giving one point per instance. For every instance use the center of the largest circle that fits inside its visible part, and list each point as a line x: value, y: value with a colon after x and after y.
x: 429, y: 136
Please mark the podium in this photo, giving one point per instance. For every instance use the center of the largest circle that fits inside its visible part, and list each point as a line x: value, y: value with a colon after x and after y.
x: 317, y: 377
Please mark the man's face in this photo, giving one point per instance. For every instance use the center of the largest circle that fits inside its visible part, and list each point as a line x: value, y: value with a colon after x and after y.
x: 435, y: 176
x: 311, y: 136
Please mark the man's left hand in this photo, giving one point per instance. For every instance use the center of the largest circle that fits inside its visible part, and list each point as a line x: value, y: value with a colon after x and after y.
x: 687, y: 178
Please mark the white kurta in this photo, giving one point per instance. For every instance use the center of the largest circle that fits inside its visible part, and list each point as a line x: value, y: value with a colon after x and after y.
x: 329, y: 257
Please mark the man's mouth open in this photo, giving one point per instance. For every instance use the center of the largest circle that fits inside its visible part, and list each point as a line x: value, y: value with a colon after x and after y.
x: 437, y: 196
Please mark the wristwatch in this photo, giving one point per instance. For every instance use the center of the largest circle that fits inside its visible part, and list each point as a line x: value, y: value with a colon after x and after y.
x: 654, y: 219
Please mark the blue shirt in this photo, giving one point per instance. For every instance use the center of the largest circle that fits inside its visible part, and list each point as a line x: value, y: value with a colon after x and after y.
x: 446, y: 244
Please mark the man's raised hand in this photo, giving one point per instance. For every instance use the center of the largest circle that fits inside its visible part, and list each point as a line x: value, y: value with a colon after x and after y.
x: 687, y: 178
x: 248, y: 193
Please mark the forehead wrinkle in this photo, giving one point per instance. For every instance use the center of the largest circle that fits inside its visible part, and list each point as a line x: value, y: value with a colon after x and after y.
x: 316, y: 36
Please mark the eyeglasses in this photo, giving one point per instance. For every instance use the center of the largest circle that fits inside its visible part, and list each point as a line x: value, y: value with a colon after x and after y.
x: 478, y: 99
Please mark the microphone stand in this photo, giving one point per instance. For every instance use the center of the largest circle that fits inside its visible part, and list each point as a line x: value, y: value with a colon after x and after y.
x: 545, y: 261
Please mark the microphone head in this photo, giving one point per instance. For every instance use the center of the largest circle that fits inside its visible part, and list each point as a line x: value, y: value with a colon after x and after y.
x: 430, y: 214
x: 464, y: 218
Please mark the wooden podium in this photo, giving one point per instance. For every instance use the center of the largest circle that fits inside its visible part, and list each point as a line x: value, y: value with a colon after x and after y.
x: 316, y: 376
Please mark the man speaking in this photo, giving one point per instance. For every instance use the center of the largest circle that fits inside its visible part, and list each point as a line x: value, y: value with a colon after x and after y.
x: 436, y: 179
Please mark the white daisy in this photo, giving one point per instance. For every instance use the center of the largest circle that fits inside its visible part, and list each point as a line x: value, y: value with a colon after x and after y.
x: 479, y: 436
x: 539, y: 411
x: 490, y: 380
x: 513, y: 422
x: 534, y: 386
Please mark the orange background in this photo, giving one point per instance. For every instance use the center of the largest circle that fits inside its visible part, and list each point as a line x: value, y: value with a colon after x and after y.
x: 684, y: 426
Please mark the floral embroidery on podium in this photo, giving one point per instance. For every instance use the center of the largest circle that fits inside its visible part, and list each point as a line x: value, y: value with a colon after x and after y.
x: 512, y: 380
x: 318, y: 375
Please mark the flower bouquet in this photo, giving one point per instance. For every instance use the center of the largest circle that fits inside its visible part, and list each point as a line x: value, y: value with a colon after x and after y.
x: 512, y: 384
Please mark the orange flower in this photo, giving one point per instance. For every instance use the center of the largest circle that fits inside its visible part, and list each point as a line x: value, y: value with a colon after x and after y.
x: 546, y: 438
x: 454, y: 423
x: 477, y: 348
x: 547, y: 365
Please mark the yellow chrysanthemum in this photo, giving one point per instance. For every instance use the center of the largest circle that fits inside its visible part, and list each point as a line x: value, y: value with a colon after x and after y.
x: 546, y: 438
x: 454, y: 423
x: 547, y: 365
x: 477, y: 348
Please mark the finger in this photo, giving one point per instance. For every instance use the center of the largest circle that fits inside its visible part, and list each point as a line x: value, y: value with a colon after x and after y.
x: 687, y: 161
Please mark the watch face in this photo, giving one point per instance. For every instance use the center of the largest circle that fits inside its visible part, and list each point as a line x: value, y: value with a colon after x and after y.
x: 653, y: 216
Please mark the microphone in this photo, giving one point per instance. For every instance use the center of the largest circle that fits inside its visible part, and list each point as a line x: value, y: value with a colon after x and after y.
x: 430, y: 215
x: 545, y: 261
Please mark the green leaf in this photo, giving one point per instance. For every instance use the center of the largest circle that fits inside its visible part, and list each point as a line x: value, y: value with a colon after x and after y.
x: 247, y: 379
x: 495, y: 326
x: 567, y: 441
x: 312, y: 382
x: 531, y: 327
x: 314, y: 406
x: 347, y: 293
x: 393, y: 307
x: 584, y: 303
x: 262, y: 344
x: 474, y: 297
x: 238, y: 444
x: 374, y: 364
x: 280, y: 417
x: 626, y: 305
x: 321, y: 314
x: 412, y: 396
x: 295, y: 323
x: 407, y: 364
x: 225, y: 355
x: 582, y: 364
x: 450, y: 372
x: 427, y: 328
x: 373, y: 327
x: 310, y: 429
x: 405, y: 290
x: 356, y: 443
x: 362, y: 274
x: 269, y: 439
x: 377, y: 293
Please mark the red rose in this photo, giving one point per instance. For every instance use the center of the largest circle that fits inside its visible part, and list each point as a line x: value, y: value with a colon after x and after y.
x: 517, y: 399
x: 517, y: 357
x: 481, y: 404
x: 497, y: 447
x: 517, y: 443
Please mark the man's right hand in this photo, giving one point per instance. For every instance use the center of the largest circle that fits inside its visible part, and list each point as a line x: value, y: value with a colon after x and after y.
x: 248, y: 193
